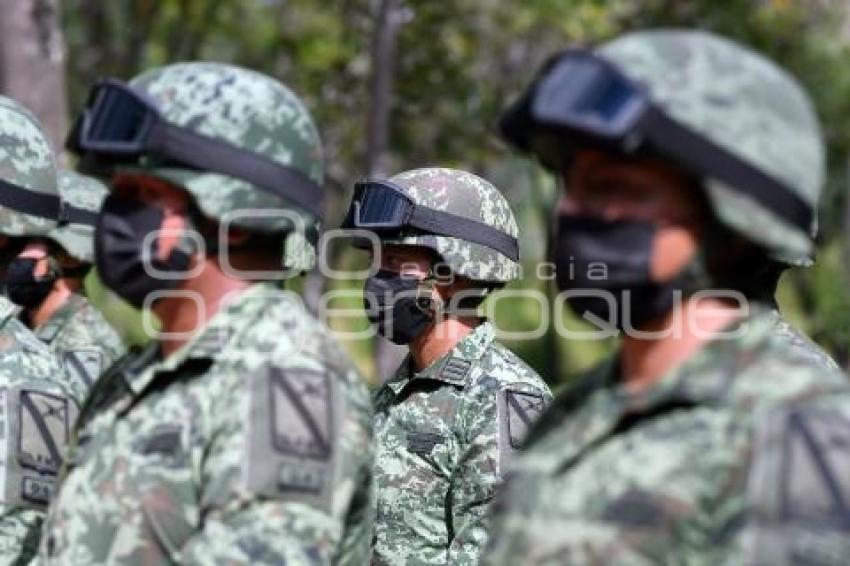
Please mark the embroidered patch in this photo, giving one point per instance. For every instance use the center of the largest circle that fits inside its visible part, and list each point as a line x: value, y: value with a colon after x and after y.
x: 164, y: 441
x: 44, y: 429
x: 291, y: 437
x: 522, y: 409
x: 301, y: 418
x: 36, y: 490
x: 423, y: 443
x: 798, y: 484
x: 86, y: 364
x: 456, y: 369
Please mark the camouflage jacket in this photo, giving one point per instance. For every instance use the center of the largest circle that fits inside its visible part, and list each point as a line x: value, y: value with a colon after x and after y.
x: 83, y: 339
x: 734, y: 457
x: 249, y: 445
x: 803, y: 344
x: 37, y: 408
x: 443, y: 435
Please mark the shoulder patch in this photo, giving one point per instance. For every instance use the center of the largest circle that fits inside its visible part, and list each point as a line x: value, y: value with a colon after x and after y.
x: 798, y: 487
x: 292, y: 435
x: 518, y: 410
x: 523, y: 408
x: 45, y: 426
x: 37, y: 426
x: 86, y: 364
x: 301, y: 417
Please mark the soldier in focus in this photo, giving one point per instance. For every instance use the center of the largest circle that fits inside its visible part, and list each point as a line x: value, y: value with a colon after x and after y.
x: 450, y: 418
x: 692, y: 168
x: 241, y: 435
x: 38, y: 400
x: 46, y: 280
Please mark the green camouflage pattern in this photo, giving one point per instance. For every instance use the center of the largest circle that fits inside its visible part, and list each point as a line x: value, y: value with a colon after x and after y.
x: 443, y: 437
x: 803, y: 345
x: 249, y: 445
x: 250, y: 111
x: 677, y: 473
x: 469, y: 196
x: 27, y: 161
x: 85, y: 193
x: 27, y: 366
x: 746, y: 104
x: 82, y: 338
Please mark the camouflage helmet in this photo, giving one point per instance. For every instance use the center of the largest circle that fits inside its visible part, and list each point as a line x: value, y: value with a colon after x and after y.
x: 250, y: 111
x: 84, y: 193
x: 744, y: 103
x: 469, y: 196
x: 27, y: 161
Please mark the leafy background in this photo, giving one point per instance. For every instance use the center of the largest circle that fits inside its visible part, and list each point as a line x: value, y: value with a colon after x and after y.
x: 397, y: 84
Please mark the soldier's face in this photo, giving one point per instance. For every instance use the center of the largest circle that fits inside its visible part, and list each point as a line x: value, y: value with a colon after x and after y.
x: 613, y: 188
x: 172, y: 200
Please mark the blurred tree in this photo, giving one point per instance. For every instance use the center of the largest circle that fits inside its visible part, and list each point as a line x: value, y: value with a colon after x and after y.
x: 454, y: 67
x: 32, y: 61
x: 388, y: 20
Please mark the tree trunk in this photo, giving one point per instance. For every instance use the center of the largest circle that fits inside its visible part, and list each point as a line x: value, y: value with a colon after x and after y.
x: 32, y: 57
x: 388, y: 20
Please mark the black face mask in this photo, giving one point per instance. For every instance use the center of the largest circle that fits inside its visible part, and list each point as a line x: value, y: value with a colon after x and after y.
x: 11, y: 250
x: 22, y: 286
x: 392, y: 305
x: 598, y: 255
x: 123, y: 261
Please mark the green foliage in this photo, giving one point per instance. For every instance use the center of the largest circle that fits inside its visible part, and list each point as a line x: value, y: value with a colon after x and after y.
x: 457, y: 65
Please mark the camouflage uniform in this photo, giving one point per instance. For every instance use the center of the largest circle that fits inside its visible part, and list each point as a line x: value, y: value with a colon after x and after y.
x: 38, y: 401
x: 444, y: 435
x: 252, y: 442
x: 77, y: 331
x: 83, y: 338
x: 817, y: 356
x: 445, y: 432
x: 737, y: 454
x: 662, y: 476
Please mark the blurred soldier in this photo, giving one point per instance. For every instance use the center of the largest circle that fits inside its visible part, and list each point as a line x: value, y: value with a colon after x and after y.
x: 38, y: 402
x: 460, y: 403
x: 46, y: 279
x: 692, y: 168
x: 242, y: 435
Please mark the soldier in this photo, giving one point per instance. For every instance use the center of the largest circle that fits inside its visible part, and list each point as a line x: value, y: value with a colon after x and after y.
x: 38, y: 401
x: 242, y: 435
x: 692, y: 169
x: 460, y: 403
x: 46, y: 280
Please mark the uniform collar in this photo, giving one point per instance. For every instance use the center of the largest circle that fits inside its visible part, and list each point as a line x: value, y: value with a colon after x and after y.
x: 238, y: 312
x: 48, y: 331
x: 600, y: 403
x: 8, y: 310
x: 706, y: 376
x: 453, y: 367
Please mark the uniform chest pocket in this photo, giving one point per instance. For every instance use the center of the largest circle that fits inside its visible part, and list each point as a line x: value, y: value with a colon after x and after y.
x: 429, y: 453
x: 423, y: 443
x: 166, y: 485
x: 424, y: 422
x: 163, y: 442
